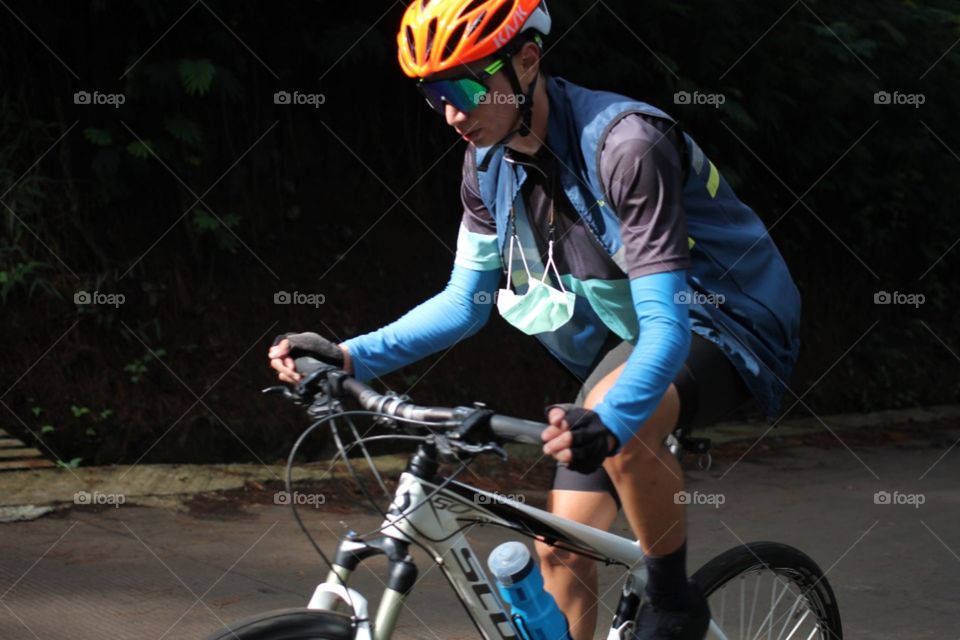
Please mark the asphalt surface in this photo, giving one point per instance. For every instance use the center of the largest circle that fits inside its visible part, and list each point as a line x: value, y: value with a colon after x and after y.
x: 127, y: 571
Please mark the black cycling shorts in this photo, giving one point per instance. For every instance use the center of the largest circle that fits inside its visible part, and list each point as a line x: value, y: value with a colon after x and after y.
x: 709, y: 388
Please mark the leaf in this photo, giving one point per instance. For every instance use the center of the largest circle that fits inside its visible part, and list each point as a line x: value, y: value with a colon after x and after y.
x: 196, y: 75
x: 184, y: 130
x: 231, y: 220
x: 140, y: 149
x: 99, y: 137
x: 78, y: 411
x: 47, y: 428
x: 897, y: 36
x: 203, y: 221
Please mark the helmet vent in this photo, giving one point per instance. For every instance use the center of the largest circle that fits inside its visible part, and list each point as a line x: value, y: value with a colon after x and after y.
x: 411, y: 44
x: 476, y: 4
x: 454, y: 40
x: 476, y: 23
x: 431, y: 32
x: 497, y: 20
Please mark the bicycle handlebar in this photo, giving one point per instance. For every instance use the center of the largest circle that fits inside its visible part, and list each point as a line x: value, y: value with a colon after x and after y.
x: 505, y: 427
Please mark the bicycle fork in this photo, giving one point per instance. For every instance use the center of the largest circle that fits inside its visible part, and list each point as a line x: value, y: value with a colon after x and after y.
x: 401, y: 578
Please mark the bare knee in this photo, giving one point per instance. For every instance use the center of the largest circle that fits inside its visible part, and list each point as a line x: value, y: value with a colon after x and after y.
x: 641, y: 453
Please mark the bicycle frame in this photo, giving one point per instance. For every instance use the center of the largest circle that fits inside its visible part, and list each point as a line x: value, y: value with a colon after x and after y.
x: 431, y: 513
x: 438, y: 527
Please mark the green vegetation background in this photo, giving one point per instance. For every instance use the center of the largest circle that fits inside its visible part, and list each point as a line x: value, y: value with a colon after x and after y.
x: 199, y: 198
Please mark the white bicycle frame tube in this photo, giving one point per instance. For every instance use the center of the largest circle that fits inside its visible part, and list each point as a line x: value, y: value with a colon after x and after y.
x: 436, y: 526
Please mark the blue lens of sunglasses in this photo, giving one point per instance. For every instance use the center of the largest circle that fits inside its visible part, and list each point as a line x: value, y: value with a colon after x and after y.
x: 465, y: 94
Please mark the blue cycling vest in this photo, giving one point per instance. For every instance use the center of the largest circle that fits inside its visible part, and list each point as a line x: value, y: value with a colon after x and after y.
x: 734, y: 260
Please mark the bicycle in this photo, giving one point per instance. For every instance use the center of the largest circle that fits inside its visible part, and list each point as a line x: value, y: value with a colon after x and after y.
x: 428, y: 511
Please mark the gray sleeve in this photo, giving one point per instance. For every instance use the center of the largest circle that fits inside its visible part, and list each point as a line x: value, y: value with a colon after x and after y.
x: 476, y: 217
x: 477, y: 246
x: 642, y: 178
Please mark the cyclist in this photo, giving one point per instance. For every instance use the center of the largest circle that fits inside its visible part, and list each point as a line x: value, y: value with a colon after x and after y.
x: 626, y: 254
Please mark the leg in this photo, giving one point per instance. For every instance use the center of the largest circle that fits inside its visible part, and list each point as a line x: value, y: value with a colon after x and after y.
x: 585, y: 498
x: 648, y: 477
x: 571, y: 578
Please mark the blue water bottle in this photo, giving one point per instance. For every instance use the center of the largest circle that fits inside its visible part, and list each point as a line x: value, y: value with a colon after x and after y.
x: 535, y: 612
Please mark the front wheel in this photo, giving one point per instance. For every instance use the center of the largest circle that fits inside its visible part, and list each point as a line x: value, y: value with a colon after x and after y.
x: 769, y: 590
x: 290, y: 624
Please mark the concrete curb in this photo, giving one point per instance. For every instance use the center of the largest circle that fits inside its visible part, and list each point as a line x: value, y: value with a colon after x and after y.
x: 165, y: 485
x: 154, y: 484
x: 723, y: 433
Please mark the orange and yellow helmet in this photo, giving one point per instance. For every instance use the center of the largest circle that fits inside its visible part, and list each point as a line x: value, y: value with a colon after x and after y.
x: 436, y: 35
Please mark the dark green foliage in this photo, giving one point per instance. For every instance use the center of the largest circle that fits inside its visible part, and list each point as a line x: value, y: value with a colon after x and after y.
x: 199, y: 197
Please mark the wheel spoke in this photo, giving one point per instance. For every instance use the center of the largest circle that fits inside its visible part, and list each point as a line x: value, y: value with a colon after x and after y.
x: 797, y: 626
x: 773, y: 607
x: 743, y: 582
x: 753, y: 608
x: 795, y: 610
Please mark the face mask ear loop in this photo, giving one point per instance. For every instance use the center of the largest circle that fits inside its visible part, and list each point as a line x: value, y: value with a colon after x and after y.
x: 522, y: 256
x: 551, y: 234
x: 551, y: 263
x: 513, y: 236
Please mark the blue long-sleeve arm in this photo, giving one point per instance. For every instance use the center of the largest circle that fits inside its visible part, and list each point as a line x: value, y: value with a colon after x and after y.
x: 455, y: 313
x: 661, y: 350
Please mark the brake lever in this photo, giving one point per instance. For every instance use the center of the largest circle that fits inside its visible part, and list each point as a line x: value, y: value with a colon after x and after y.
x: 309, y: 383
x: 280, y: 389
x: 454, y: 449
x: 477, y: 449
x: 305, y: 390
x: 475, y: 424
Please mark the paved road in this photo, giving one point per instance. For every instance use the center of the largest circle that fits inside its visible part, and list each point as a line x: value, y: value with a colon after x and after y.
x: 138, y: 572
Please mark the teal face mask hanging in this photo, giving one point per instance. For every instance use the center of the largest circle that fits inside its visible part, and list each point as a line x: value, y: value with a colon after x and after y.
x: 542, y: 308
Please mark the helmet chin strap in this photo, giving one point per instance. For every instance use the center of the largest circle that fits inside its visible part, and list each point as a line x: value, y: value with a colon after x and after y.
x: 525, y: 108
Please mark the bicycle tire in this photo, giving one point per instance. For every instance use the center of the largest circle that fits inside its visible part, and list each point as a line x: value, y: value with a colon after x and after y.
x: 290, y: 624
x: 787, y: 562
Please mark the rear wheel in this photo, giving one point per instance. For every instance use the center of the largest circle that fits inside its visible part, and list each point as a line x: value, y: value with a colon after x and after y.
x: 290, y: 624
x: 769, y: 590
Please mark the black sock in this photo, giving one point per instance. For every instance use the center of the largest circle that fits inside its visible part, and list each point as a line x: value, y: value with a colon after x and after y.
x: 667, y: 585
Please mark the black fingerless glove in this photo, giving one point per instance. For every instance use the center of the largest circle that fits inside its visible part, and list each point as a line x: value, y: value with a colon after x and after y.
x: 312, y: 345
x: 590, y: 445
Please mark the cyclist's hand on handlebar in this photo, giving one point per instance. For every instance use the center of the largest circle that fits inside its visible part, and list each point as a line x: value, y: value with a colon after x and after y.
x: 289, y: 346
x: 577, y: 437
